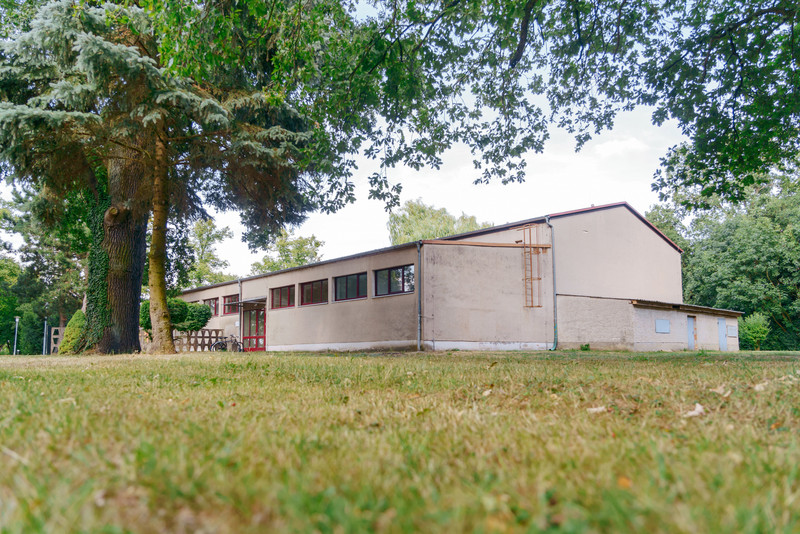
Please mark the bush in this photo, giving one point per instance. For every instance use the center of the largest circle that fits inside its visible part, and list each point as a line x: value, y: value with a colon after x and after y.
x: 29, y: 339
x: 185, y: 317
x: 197, y: 317
x: 73, y: 334
x: 754, y: 329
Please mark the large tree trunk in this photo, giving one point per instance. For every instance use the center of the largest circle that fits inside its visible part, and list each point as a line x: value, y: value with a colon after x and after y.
x: 125, y: 243
x: 159, y: 313
x: 117, y: 261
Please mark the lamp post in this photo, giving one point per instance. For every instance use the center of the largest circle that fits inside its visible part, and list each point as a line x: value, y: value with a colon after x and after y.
x: 16, y: 329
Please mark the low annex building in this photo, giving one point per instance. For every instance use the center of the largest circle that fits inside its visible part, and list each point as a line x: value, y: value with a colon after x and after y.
x: 615, y: 284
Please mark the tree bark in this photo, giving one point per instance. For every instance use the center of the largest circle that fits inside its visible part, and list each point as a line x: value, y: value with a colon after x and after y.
x: 125, y: 243
x: 159, y: 313
x: 113, y: 319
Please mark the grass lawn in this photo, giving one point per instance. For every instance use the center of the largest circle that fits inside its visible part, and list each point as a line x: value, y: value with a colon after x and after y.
x: 492, y: 442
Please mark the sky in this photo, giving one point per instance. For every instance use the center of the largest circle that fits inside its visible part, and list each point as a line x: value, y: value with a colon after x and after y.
x: 616, y: 166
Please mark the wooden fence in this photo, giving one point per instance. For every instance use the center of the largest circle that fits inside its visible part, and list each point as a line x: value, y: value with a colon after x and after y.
x: 55, y: 339
x: 184, y: 341
x: 187, y: 341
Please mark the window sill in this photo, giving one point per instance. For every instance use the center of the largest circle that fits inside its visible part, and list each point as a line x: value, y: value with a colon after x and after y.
x: 351, y: 300
x: 393, y: 295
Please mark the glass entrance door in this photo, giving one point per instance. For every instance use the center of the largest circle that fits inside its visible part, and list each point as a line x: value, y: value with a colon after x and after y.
x: 254, y: 329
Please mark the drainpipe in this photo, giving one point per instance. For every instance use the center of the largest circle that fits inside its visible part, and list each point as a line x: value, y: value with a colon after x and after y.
x: 419, y: 295
x: 239, y: 305
x: 555, y: 295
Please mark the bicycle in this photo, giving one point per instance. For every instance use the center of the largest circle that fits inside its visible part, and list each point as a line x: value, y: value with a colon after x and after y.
x: 227, y: 344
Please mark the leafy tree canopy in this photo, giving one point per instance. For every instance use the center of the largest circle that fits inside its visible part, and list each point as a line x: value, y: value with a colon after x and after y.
x: 413, y: 78
x: 408, y: 80
x: 747, y: 257
x: 417, y: 220
x: 208, y: 267
x: 289, y: 251
x: 54, y: 249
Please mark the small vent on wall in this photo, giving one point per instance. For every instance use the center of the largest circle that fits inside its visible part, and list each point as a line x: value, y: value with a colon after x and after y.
x: 532, y: 250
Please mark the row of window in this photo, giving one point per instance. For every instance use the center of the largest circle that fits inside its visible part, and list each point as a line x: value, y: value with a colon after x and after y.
x: 392, y: 281
x: 228, y: 305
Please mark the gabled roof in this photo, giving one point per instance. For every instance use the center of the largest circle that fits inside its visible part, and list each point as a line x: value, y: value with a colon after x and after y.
x: 572, y: 213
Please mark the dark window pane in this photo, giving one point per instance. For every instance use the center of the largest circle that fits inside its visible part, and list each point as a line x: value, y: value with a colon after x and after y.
x: 352, y: 287
x: 395, y: 280
x: 382, y: 282
x: 408, y: 278
x: 362, y: 285
x: 314, y: 292
x: 341, y: 288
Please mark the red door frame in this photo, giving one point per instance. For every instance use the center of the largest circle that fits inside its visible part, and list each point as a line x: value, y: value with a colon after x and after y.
x: 256, y: 342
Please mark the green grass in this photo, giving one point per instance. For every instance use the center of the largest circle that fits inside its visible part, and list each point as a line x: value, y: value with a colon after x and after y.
x: 486, y: 442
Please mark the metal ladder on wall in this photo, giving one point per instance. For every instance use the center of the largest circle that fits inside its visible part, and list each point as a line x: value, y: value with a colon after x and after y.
x: 532, y: 250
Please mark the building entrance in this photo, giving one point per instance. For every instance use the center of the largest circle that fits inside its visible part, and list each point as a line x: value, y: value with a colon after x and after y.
x: 254, y: 329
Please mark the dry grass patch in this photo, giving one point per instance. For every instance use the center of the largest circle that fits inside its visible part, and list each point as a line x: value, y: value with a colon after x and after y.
x: 569, y: 442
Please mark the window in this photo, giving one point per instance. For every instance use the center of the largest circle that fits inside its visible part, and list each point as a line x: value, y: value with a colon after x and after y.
x: 352, y: 286
x: 212, y: 303
x: 314, y: 292
x: 662, y: 326
x: 230, y: 304
x: 281, y: 297
x: 395, y: 280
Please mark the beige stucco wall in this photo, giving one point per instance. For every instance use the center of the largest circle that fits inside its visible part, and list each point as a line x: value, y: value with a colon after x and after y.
x: 678, y: 338
x: 607, y: 253
x: 372, y: 322
x: 474, y: 298
x: 708, y: 334
x: 616, y: 324
x: 388, y: 321
x: 611, y: 253
x: 602, y: 323
x: 646, y: 338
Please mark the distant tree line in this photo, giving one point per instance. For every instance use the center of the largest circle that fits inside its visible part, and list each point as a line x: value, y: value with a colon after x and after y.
x: 744, y: 257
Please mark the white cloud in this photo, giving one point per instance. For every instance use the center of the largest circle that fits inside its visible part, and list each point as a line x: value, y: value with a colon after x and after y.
x: 620, y: 147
